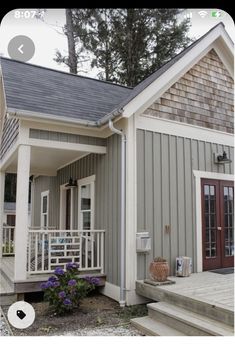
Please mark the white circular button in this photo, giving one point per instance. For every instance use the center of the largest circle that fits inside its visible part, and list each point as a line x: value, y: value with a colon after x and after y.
x: 21, y: 314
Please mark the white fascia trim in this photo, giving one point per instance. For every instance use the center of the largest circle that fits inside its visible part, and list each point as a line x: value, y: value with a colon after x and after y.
x: 4, y: 104
x: 41, y: 118
x: 177, y: 70
x: 29, y: 115
x: 186, y: 130
x: 77, y: 147
x: 198, y: 176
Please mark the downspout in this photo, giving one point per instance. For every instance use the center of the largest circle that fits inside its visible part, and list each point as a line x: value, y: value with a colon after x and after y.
x: 122, y: 300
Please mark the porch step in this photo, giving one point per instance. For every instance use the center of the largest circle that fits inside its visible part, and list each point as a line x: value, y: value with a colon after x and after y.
x: 210, y: 310
x: 151, y: 327
x: 188, y: 322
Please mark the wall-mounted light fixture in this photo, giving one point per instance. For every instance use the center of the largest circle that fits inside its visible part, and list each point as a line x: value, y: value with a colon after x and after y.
x: 72, y: 183
x: 221, y: 158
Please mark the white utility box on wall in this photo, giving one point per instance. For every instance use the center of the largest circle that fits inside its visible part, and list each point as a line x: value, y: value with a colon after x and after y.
x: 143, y: 242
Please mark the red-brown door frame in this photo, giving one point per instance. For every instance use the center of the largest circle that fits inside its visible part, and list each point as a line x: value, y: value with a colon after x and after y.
x: 226, y: 261
x: 220, y: 260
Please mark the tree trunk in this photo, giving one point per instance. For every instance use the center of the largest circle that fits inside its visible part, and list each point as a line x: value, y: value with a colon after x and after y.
x: 72, y: 61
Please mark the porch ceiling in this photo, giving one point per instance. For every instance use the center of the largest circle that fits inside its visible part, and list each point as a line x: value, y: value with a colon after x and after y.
x: 46, y: 161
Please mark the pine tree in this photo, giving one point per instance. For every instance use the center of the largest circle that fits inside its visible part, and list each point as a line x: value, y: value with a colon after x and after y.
x: 129, y: 44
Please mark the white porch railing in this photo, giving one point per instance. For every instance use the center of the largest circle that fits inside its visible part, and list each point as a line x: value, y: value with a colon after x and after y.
x: 48, y: 249
x: 8, y: 236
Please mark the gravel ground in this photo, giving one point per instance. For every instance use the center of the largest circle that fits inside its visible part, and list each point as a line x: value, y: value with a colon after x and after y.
x: 97, y: 315
x: 106, y: 331
x: 4, y: 330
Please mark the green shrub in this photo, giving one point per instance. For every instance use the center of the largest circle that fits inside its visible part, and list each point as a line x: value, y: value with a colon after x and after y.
x: 64, y: 289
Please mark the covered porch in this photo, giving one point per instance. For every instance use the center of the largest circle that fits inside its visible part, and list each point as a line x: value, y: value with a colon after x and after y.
x: 30, y: 253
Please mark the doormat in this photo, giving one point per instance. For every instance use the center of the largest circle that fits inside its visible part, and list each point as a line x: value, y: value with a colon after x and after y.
x: 224, y: 271
x: 157, y: 284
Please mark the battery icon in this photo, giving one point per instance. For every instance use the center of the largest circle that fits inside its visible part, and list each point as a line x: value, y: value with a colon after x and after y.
x: 216, y: 14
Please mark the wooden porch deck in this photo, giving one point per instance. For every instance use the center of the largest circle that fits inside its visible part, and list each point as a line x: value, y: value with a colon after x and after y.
x: 197, y: 305
x: 211, y: 288
x: 32, y: 283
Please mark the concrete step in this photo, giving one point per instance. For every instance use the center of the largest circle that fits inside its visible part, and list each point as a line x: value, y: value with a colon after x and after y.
x: 161, y: 294
x: 190, y: 323
x: 151, y: 327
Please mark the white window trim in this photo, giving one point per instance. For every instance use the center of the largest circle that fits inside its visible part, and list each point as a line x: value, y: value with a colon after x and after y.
x: 43, y: 194
x: 198, y: 176
x: 63, y: 190
x: 86, y: 181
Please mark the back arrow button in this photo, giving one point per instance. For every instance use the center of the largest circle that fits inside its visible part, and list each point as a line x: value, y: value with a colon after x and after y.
x: 20, y: 48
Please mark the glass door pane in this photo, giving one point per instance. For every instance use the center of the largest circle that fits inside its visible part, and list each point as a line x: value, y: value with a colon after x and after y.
x: 228, y: 199
x: 210, y: 221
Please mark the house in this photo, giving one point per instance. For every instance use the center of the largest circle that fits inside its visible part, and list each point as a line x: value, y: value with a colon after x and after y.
x: 108, y: 162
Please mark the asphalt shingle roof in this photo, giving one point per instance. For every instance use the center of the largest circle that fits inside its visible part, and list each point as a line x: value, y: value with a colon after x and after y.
x: 38, y: 89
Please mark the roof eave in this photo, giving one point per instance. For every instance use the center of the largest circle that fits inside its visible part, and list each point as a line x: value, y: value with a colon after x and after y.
x: 29, y: 115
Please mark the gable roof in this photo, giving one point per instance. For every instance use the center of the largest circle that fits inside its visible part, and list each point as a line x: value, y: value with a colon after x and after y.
x: 216, y: 38
x: 45, y: 93
x: 37, y: 89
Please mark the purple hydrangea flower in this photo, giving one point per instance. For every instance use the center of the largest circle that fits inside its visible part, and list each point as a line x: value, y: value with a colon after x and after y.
x: 95, y: 280
x: 43, y: 285
x: 71, y: 266
x: 62, y: 294
x: 52, y: 279
x: 72, y: 282
x: 56, y: 284
x: 92, y: 280
x: 67, y: 302
x: 48, y: 284
x: 59, y: 271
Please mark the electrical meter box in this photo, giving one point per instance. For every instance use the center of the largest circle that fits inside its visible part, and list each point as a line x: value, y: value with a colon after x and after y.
x: 143, y: 242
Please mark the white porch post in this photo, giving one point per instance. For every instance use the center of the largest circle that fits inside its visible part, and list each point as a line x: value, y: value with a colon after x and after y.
x: 22, y: 194
x: 2, y: 192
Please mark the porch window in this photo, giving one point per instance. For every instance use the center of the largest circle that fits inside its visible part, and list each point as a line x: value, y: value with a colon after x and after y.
x: 44, y: 209
x: 86, y: 193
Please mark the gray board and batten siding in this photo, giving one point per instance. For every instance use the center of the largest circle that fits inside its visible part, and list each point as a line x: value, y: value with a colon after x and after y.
x: 9, y: 136
x: 165, y: 195
x: 166, y: 192
x: 106, y: 168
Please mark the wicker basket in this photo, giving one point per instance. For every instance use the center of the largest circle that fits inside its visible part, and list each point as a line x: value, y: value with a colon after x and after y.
x: 159, y: 271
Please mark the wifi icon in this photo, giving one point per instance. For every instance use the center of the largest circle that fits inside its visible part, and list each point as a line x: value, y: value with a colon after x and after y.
x: 202, y: 14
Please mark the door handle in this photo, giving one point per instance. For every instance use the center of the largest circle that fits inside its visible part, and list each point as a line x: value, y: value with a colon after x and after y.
x: 219, y: 228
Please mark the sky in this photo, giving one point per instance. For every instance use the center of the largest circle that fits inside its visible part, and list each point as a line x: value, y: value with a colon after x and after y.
x: 48, y: 36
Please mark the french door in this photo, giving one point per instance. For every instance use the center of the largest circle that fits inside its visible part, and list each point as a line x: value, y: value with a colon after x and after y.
x: 217, y: 223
